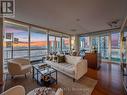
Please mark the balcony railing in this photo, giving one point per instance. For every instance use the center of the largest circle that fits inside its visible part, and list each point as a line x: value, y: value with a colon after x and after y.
x: 35, y: 54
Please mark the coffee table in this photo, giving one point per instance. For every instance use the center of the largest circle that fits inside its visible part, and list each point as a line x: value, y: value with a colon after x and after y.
x: 43, y: 71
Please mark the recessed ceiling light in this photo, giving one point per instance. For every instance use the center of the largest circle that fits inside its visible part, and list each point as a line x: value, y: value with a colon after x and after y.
x: 77, y: 19
x: 73, y: 30
x: 114, y: 23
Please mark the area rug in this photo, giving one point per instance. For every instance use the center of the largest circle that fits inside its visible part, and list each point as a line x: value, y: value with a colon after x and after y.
x: 84, y: 86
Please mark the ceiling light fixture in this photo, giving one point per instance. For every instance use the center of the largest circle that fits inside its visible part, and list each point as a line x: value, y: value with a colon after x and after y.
x: 114, y: 23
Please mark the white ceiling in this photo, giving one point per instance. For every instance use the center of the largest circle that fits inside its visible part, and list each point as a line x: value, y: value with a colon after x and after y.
x: 61, y: 15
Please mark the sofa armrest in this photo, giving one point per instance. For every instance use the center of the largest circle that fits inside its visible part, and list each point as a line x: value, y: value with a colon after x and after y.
x: 80, y: 69
x: 24, y: 61
x: 21, y: 61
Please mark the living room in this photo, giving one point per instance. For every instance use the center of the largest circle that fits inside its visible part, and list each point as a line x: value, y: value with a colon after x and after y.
x: 63, y: 47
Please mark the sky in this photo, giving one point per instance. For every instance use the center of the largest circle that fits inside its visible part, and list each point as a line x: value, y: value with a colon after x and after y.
x: 23, y: 35
x: 37, y: 38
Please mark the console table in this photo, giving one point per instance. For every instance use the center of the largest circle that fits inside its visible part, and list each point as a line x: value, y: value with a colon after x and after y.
x: 93, y: 60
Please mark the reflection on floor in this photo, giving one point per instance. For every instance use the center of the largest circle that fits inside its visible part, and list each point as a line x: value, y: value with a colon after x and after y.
x: 109, y: 79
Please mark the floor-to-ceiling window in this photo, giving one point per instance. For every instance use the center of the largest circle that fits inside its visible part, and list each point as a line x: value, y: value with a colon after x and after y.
x: 95, y: 42
x: 82, y: 43
x: 115, y: 46
x: 107, y: 44
x: 52, y: 45
x: 15, y: 41
x: 85, y: 43
x: 38, y: 43
x: 27, y: 41
x: 104, y: 46
x: 65, y: 44
x: 20, y: 43
x: 125, y: 44
x: 58, y: 44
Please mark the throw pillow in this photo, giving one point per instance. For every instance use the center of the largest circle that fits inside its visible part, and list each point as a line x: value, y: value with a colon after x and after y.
x: 54, y: 58
x: 60, y: 59
x: 74, y: 53
x: 50, y: 57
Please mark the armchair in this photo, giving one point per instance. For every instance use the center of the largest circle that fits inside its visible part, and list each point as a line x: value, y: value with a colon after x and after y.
x: 15, y: 90
x: 19, y: 66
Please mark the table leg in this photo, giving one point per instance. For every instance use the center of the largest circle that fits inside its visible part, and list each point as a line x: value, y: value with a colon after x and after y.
x: 56, y: 77
x: 33, y: 72
x: 37, y: 77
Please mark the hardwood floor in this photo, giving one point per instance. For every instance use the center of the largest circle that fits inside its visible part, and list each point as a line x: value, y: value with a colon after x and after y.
x: 2, y: 87
x: 109, y: 79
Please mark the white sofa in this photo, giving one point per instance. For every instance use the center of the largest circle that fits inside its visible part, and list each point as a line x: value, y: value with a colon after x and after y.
x: 74, y: 66
x: 19, y: 66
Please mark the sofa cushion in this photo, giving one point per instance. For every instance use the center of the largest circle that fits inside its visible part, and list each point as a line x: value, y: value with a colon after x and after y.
x: 72, y: 59
x: 54, y: 64
x: 63, y: 65
x: 69, y: 69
